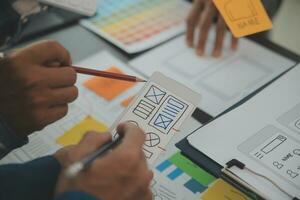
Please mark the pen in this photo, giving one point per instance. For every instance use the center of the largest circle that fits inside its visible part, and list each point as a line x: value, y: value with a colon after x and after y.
x: 105, y: 74
x: 76, y: 167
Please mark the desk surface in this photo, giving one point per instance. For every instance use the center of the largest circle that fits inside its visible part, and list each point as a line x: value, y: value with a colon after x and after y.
x: 81, y: 43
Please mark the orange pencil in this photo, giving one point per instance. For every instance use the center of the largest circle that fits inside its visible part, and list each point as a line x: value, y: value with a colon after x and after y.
x: 104, y: 74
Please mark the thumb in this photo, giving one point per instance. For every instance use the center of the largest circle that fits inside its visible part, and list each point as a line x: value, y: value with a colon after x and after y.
x: 90, y: 143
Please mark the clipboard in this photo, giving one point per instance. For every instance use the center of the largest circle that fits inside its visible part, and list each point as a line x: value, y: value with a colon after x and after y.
x: 209, y: 164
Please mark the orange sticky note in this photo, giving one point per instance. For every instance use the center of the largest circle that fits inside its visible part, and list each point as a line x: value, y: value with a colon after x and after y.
x: 125, y: 103
x: 108, y: 88
x: 75, y: 134
x: 244, y: 17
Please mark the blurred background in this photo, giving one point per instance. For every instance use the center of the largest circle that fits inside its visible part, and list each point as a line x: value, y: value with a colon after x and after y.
x: 286, y: 30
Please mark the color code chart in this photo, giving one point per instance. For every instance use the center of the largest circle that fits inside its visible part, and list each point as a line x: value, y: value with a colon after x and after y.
x: 194, y: 179
x: 137, y: 25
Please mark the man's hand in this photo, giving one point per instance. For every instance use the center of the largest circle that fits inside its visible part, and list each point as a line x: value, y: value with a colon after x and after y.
x: 201, y: 16
x: 36, y: 85
x: 122, y: 174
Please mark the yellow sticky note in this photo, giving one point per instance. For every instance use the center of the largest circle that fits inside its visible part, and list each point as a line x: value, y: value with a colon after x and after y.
x: 221, y: 190
x: 74, y: 135
x: 244, y: 17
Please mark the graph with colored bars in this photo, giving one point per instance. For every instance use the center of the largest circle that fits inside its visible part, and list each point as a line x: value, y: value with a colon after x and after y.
x: 136, y: 25
x: 179, y: 169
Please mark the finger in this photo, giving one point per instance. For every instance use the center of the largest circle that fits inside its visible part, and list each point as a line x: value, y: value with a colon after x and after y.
x: 62, y: 96
x: 192, y: 21
x: 90, y: 142
x: 144, y: 194
x: 61, y: 77
x: 133, y: 135
x: 208, y: 14
x: 56, y: 113
x: 48, y: 52
x: 234, y: 43
x: 220, y: 33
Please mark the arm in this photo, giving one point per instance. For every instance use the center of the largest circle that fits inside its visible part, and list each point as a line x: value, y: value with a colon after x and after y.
x: 75, y: 195
x: 35, y: 180
x: 8, y: 139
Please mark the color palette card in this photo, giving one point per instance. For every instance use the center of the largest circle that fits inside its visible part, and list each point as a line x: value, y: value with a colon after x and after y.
x: 137, y: 25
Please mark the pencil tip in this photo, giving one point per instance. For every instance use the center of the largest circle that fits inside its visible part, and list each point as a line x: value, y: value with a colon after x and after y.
x: 140, y: 80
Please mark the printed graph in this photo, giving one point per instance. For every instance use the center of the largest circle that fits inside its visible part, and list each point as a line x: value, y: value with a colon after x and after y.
x: 177, y: 166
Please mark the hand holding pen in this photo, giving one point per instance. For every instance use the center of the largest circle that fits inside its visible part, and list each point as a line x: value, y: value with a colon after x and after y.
x: 124, y: 168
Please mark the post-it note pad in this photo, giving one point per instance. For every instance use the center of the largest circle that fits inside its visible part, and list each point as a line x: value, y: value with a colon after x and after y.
x: 244, y: 17
x: 160, y: 109
x: 221, y: 190
x: 108, y: 88
x: 74, y: 135
x: 125, y: 103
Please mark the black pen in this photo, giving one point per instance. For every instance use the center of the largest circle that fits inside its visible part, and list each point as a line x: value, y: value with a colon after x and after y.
x: 75, y: 168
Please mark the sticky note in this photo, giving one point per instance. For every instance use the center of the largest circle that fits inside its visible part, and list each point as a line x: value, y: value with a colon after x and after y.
x: 125, y: 103
x: 108, y: 88
x: 74, y: 135
x: 223, y: 191
x: 244, y: 17
x: 192, y: 169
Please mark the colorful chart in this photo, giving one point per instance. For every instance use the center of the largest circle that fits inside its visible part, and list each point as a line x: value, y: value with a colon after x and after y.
x: 136, y: 25
x: 177, y: 165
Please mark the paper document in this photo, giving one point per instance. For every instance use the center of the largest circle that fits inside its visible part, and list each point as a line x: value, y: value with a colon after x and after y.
x: 221, y: 82
x: 160, y: 109
x: 137, y: 25
x: 264, y: 134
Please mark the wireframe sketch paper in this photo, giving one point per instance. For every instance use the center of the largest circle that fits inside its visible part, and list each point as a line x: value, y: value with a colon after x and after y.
x: 160, y: 109
x: 222, y: 82
x: 264, y: 134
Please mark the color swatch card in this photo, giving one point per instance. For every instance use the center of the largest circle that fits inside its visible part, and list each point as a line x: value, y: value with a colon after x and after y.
x: 244, y: 17
x: 160, y: 109
x: 137, y: 25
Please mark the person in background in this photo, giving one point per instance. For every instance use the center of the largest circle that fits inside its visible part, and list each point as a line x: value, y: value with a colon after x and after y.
x: 36, y: 85
x: 202, y: 16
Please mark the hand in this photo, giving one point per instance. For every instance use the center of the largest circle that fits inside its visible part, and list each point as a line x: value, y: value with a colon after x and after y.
x: 201, y: 15
x: 122, y: 174
x: 36, y: 85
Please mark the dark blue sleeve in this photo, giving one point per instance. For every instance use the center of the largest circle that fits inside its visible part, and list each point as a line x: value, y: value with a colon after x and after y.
x: 75, y: 195
x: 8, y: 139
x: 35, y: 180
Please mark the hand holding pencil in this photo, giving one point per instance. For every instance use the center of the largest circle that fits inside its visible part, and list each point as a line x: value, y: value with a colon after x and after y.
x: 124, y: 169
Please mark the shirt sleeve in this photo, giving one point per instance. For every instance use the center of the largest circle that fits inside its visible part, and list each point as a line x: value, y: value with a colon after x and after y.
x: 8, y: 139
x: 35, y: 180
x: 75, y: 195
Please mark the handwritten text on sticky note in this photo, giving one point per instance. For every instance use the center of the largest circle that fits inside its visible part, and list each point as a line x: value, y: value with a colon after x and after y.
x: 244, y: 17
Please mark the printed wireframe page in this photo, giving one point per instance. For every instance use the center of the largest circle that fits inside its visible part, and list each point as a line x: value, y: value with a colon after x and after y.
x: 160, y: 109
x: 264, y: 134
x: 222, y: 82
